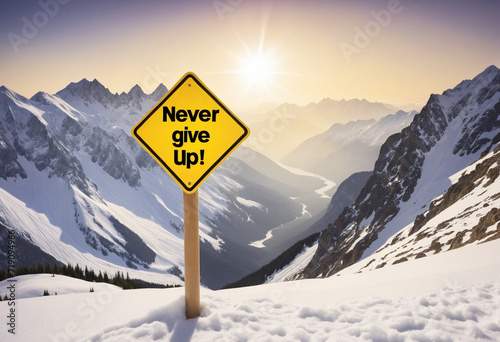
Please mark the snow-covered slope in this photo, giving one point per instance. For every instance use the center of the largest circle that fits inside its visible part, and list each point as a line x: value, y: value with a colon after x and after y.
x: 452, y: 296
x: 76, y: 184
x: 415, y: 169
x: 467, y: 213
x: 34, y: 285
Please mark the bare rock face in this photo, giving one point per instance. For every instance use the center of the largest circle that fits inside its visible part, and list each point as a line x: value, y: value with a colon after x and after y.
x: 24, y: 133
x: 9, y: 166
x: 104, y: 151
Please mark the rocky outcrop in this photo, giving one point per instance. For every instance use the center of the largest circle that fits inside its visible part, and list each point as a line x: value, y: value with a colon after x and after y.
x: 9, y: 166
x: 104, y: 151
x: 29, y: 137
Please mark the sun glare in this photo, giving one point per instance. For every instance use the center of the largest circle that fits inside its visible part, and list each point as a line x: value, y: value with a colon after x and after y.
x: 258, y: 70
x: 261, y: 74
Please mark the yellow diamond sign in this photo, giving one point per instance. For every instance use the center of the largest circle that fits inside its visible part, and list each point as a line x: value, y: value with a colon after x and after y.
x: 190, y: 132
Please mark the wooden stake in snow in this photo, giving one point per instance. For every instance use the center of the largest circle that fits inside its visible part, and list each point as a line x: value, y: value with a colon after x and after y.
x: 190, y: 132
x: 191, y: 255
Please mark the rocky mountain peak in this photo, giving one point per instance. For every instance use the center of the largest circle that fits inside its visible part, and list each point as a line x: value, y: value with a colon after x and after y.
x: 89, y: 91
x: 159, y: 92
x: 136, y: 92
x: 95, y: 92
x: 41, y: 97
x: 7, y: 93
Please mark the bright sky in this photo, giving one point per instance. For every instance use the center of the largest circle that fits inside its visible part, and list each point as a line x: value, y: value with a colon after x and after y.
x: 251, y: 51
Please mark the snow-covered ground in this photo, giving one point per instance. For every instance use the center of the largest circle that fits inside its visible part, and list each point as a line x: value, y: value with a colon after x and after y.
x: 451, y: 296
x: 295, y: 266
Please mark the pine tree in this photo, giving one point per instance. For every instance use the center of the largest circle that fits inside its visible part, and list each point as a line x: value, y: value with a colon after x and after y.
x: 128, y: 284
x: 117, y: 279
x: 78, y: 272
x: 92, y: 276
x: 57, y: 269
x: 46, y: 293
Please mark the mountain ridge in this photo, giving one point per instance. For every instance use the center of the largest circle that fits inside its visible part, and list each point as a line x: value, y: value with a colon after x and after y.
x: 344, y: 149
x: 94, y: 91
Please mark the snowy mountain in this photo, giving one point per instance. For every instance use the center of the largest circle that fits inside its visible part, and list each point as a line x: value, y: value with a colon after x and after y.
x: 92, y: 92
x: 347, y: 148
x: 77, y: 188
x: 467, y: 213
x: 279, y: 131
x: 434, y: 186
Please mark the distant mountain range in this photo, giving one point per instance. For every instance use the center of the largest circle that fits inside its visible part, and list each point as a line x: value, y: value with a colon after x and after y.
x: 344, y: 149
x: 279, y: 131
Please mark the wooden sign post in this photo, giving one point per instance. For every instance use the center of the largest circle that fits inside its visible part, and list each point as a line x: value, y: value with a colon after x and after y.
x: 191, y: 255
x: 190, y: 132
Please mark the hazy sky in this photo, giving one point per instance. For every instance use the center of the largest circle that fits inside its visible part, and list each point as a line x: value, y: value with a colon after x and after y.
x: 249, y: 52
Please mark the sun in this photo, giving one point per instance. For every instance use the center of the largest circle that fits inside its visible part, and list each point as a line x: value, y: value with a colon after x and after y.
x: 258, y: 69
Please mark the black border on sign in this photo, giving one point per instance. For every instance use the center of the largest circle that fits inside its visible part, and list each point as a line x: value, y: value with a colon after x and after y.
x: 214, y: 165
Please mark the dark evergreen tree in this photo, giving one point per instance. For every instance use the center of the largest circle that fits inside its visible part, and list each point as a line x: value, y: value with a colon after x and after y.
x: 78, y: 272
